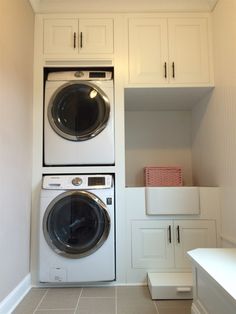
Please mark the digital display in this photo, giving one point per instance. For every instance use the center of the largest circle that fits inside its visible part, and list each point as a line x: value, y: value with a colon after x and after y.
x: 97, y: 74
x: 93, y: 181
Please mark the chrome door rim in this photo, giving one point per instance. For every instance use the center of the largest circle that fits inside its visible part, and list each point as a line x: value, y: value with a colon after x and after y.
x: 89, y: 135
x: 102, y: 239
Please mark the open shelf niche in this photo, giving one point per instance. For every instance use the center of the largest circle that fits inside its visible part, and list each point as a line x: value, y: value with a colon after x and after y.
x: 158, y: 130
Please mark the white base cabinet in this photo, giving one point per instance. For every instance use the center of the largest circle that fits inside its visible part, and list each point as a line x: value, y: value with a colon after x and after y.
x: 151, y: 244
x: 164, y: 244
x: 159, y: 243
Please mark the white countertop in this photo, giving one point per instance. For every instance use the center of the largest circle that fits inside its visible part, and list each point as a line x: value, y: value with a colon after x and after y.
x: 220, y: 264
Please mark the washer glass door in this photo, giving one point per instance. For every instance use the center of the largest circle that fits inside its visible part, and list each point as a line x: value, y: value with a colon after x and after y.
x: 78, y: 111
x: 76, y: 224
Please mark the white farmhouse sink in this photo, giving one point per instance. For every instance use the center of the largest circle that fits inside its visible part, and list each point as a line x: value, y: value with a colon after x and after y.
x: 172, y: 200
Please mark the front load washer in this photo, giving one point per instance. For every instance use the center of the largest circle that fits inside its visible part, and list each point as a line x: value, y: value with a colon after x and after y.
x: 79, y: 118
x: 76, y: 229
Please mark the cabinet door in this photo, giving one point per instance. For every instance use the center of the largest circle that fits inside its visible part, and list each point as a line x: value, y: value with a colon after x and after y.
x: 96, y: 36
x: 60, y: 37
x: 188, y: 51
x: 148, y: 50
x: 152, y: 244
x: 192, y: 234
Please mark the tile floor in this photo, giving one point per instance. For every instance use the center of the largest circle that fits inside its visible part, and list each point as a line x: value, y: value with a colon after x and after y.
x: 111, y: 300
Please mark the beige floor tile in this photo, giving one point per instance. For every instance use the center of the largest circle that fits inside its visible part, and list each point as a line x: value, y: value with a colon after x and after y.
x: 60, y: 298
x: 100, y: 292
x: 132, y: 306
x: 30, y: 302
x: 130, y: 300
x: 134, y: 300
x: 174, y: 306
x: 131, y: 292
x: 96, y: 306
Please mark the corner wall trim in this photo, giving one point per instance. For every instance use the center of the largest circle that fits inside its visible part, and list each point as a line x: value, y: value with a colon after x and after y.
x: 15, y: 296
x: 228, y: 239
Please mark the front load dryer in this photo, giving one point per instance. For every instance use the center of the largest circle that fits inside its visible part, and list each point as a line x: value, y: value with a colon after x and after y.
x: 76, y: 229
x: 79, y: 118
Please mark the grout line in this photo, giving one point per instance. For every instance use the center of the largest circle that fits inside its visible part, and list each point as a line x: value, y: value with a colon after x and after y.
x: 43, y: 297
x: 77, y: 304
x: 116, y: 301
x: 48, y: 310
x: 155, y: 304
x: 98, y: 297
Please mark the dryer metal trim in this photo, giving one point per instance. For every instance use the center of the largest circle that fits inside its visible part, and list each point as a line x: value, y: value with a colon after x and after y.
x: 90, y: 134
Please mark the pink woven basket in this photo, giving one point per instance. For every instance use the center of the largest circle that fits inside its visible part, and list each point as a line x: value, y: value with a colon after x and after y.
x: 163, y: 176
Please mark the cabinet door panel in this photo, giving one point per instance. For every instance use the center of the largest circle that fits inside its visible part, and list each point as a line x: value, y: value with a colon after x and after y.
x: 96, y: 36
x: 59, y: 36
x: 151, y: 245
x: 188, y: 50
x: 148, y: 50
x: 192, y: 234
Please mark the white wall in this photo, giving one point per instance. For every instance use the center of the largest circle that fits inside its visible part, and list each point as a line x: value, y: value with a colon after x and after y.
x: 16, y: 68
x: 214, y: 136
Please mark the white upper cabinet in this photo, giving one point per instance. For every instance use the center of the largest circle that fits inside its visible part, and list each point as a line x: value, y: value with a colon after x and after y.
x: 148, y: 50
x: 96, y: 36
x: 71, y: 37
x: 188, y: 51
x: 169, y: 51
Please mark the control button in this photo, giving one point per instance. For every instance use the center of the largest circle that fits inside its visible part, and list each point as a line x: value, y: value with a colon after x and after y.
x: 79, y: 74
x: 77, y: 181
x: 109, y: 200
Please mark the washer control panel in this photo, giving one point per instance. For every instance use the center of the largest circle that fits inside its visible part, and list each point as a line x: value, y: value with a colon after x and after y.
x: 77, y: 182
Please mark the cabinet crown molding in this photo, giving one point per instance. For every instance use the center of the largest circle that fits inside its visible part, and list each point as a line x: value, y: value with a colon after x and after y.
x: 71, y: 6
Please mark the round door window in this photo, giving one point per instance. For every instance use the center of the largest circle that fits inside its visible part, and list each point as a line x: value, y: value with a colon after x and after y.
x: 76, y: 224
x: 78, y: 111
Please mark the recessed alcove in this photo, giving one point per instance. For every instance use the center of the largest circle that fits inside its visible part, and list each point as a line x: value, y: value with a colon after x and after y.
x: 158, y: 130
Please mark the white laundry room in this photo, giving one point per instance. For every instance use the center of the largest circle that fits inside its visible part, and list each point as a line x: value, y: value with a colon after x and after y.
x: 118, y: 146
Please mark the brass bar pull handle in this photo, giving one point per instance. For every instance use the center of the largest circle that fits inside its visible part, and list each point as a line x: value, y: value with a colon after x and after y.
x: 178, y: 235
x: 169, y: 233
x: 173, y: 69
x: 165, y: 69
x: 74, y: 40
x: 81, y: 40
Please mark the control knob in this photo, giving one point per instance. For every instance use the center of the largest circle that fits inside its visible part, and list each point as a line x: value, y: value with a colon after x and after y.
x: 79, y: 74
x: 77, y: 181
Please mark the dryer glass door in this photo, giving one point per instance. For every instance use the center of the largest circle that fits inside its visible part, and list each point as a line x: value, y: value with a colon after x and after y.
x: 78, y: 111
x: 76, y: 224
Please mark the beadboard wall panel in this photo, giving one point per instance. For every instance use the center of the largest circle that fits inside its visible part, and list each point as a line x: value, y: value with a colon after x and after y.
x: 214, y: 119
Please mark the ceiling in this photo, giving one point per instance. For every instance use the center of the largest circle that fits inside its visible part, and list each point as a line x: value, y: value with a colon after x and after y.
x: 72, y: 6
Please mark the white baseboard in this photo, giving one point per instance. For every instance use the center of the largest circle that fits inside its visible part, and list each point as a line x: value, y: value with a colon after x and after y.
x: 194, y: 309
x: 14, y: 298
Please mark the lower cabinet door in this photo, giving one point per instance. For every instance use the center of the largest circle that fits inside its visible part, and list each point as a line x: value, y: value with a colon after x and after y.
x: 192, y: 234
x: 152, y: 244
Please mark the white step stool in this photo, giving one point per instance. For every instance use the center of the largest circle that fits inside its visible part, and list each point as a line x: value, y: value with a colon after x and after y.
x: 170, y: 285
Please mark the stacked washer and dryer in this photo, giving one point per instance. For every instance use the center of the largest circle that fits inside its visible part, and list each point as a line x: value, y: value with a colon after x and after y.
x: 77, y: 212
